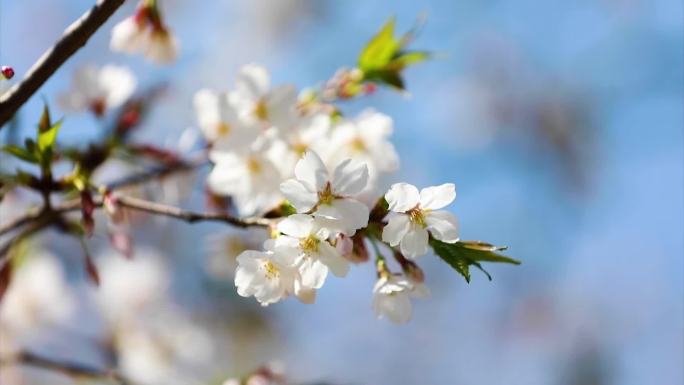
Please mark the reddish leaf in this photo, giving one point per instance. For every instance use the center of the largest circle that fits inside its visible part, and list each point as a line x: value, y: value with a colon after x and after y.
x: 91, y: 270
x: 87, y: 209
x: 5, y: 278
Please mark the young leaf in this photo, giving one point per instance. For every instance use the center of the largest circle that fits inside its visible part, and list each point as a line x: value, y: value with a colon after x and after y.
x: 461, y: 255
x: 380, y: 49
x: 20, y: 153
x: 47, y: 138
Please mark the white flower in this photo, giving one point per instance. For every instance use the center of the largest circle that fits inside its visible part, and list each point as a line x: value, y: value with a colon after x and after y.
x: 392, y: 297
x: 129, y: 286
x: 307, y: 239
x: 37, y: 296
x: 414, y: 216
x: 329, y: 198
x: 162, y: 46
x: 259, y: 103
x: 129, y: 36
x: 366, y: 139
x: 251, y: 179
x: 288, y: 146
x: 219, y: 121
x: 268, y: 275
x: 144, y: 32
x: 98, y: 89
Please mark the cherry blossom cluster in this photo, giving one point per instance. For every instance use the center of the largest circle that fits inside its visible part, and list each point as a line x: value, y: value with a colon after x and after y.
x: 272, y: 148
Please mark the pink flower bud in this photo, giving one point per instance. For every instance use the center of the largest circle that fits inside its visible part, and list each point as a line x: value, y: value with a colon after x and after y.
x: 344, y: 245
x: 7, y: 72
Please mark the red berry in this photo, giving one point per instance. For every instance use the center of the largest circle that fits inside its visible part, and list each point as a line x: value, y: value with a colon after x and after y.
x: 7, y: 72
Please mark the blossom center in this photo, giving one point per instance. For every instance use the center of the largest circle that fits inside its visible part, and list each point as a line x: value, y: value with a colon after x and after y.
x: 417, y: 216
x: 326, y: 196
x: 223, y: 128
x: 357, y: 144
x: 271, y: 270
x: 309, y: 244
x: 253, y: 165
x: 261, y: 110
x: 300, y: 148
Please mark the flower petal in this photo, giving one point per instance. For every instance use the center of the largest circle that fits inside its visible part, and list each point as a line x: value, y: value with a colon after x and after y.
x: 397, y: 308
x: 253, y: 81
x: 301, y: 197
x: 415, y: 242
x: 436, y: 197
x: 311, y: 171
x: 397, y: 226
x: 350, y: 178
x: 337, y: 264
x: 349, y: 215
x: 313, y: 273
x: 297, y: 225
x: 443, y: 226
x: 402, y: 197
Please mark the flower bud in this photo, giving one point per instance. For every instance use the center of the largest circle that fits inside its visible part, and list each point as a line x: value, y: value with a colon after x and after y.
x: 344, y: 245
x: 412, y: 271
x: 359, y: 251
x: 7, y: 72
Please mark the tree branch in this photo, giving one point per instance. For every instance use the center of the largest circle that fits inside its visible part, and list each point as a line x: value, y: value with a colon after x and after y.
x: 67, y: 368
x: 74, y: 37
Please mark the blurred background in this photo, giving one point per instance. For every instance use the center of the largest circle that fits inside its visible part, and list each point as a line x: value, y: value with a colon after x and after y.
x: 561, y: 124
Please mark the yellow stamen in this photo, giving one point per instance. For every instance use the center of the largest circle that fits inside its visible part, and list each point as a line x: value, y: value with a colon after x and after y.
x: 326, y: 196
x: 261, y: 110
x: 417, y: 216
x: 223, y: 128
x: 300, y: 148
x: 309, y: 244
x: 271, y: 270
x: 253, y: 165
x: 357, y: 144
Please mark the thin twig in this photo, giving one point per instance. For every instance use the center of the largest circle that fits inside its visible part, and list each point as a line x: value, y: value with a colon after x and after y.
x: 189, y: 216
x: 68, y: 368
x: 74, y: 37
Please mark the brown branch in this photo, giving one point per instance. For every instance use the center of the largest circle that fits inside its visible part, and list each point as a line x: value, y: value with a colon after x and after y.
x: 74, y: 37
x: 189, y: 216
x: 68, y: 368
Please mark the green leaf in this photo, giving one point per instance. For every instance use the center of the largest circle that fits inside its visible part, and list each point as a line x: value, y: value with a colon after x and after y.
x: 21, y: 153
x: 47, y: 138
x: 405, y: 59
x: 380, y: 49
x: 390, y: 78
x: 461, y: 255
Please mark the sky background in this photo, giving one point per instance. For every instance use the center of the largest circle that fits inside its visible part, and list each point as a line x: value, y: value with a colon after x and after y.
x: 561, y: 124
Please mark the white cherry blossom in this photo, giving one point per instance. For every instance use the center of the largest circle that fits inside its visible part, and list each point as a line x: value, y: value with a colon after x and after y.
x: 218, y: 119
x: 414, y: 214
x: 308, y: 133
x: 366, y: 139
x: 98, y: 89
x: 38, y: 296
x: 145, y: 33
x: 307, y: 238
x: 329, y: 198
x: 260, y: 103
x: 251, y: 179
x: 392, y: 297
x: 269, y: 276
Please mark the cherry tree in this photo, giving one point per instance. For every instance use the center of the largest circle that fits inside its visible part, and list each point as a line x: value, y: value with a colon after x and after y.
x: 290, y: 164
